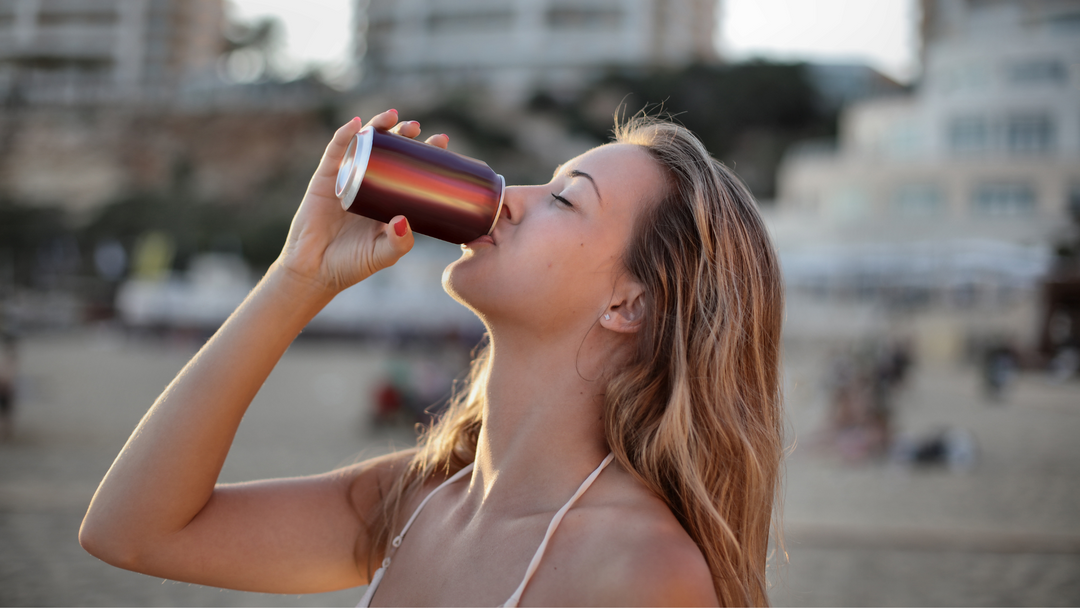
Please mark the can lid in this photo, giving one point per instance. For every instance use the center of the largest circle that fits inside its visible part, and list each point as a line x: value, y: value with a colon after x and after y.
x: 353, y: 166
x: 502, y: 195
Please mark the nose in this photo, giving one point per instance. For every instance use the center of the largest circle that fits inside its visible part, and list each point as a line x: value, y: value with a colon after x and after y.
x: 513, y: 204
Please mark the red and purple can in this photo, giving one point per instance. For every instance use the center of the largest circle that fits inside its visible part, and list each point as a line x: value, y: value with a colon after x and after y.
x: 443, y: 194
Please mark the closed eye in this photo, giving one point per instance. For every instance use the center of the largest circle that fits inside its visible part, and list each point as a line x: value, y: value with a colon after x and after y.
x: 562, y: 200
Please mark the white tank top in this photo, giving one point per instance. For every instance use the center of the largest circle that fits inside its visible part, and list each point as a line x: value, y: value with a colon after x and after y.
x: 533, y: 565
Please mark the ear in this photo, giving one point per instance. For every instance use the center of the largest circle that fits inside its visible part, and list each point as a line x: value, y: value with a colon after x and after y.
x: 626, y: 311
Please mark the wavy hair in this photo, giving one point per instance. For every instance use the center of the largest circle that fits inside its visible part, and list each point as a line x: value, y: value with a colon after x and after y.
x: 696, y: 414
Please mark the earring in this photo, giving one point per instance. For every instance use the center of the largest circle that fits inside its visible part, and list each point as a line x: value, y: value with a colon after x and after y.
x: 607, y: 317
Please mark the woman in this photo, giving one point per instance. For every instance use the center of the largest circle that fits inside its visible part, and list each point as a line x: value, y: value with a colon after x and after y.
x: 630, y: 383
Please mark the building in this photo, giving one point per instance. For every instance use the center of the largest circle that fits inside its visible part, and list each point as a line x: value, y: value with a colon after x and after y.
x: 93, y: 51
x: 987, y: 148
x: 511, y: 47
x: 947, y: 201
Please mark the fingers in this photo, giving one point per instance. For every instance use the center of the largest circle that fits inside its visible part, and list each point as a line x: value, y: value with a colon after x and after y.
x: 441, y: 140
x: 388, y: 121
x: 385, y: 121
x: 409, y: 128
x: 399, y: 240
x: 336, y: 148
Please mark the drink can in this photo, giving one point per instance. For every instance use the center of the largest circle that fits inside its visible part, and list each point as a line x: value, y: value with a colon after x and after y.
x: 443, y: 194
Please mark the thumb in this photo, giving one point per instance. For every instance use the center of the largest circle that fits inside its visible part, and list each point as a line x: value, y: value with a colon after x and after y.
x: 399, y: 240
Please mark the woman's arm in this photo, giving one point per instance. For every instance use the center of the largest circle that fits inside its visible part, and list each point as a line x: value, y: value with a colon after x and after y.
x: 158, y: 510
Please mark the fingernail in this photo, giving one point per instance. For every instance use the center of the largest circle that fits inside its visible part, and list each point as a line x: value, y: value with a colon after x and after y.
x: 400, y: 227
x: 392, y: 110
x: 446, y: 136
x: 356, y: 118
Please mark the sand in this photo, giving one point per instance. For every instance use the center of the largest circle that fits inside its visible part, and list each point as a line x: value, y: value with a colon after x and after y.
x: 1006, y: 532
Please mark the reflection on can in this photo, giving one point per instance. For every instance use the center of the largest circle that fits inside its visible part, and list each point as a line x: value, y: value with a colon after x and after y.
x: 443, y: 194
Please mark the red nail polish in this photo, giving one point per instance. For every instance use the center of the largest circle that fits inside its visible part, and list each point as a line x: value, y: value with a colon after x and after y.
x: 356, y: 118
x: 400, y: 227
x: 392, y: 110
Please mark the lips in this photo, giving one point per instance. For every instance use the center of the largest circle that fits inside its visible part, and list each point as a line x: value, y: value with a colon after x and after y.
x: 486, y: 239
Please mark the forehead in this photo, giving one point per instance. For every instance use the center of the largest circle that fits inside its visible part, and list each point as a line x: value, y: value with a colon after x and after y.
x: 618, y: 170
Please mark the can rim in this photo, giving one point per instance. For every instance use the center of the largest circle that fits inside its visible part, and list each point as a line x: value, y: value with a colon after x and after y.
x: 353, y: 166
x: 502, y: 195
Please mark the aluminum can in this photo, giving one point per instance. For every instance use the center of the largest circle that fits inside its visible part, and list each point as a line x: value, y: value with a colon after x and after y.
x: 443, y: 194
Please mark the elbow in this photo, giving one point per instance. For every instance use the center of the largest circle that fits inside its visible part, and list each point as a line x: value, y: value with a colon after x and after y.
x: 107, y: 544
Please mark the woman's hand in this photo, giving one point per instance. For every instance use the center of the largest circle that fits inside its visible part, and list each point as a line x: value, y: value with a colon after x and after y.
x: 330, y: 248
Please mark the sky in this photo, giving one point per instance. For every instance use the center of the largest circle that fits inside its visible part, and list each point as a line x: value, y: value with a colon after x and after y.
x: 882, y: 33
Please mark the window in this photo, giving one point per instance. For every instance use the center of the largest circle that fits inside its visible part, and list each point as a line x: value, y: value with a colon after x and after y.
x: 903, y: 140
x: 1039, y: 71
x: 917, y: 200
x: 1067, y: 23
x: 846, y: 202
x: 471, y: 21
x: 969, y: 134
x: 1004, y: 199
x: 1029, y: 133
x: 967, y: 77
x: 572, y: 17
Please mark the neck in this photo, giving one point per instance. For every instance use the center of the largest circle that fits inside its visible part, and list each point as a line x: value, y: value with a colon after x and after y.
x: 542, y: 429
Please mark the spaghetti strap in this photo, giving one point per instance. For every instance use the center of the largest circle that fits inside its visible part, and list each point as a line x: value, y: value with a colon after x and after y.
x: 533, y: 565
x: 539, y: 555
x: 377, y: 577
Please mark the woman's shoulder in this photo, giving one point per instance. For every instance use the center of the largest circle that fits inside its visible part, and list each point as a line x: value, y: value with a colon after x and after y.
x: 624, y: 546
x: 373, y: 478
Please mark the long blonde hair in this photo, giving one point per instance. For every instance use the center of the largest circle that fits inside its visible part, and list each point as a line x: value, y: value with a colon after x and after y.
x: 696, y: 416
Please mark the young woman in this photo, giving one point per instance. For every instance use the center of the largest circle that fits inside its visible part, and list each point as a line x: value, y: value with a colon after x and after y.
x: 619, y: 441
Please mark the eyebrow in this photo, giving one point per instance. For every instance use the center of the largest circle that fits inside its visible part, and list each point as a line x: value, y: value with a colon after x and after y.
x: 576, y: 173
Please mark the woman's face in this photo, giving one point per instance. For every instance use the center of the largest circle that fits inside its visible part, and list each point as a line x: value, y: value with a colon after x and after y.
x: 553, y: 258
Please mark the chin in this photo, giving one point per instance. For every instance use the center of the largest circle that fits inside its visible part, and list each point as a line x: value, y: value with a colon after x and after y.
x: 477, y: 289
x: 456, y: 284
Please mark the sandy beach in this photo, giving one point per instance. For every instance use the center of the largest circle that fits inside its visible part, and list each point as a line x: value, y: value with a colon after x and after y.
x: 1005, y: 532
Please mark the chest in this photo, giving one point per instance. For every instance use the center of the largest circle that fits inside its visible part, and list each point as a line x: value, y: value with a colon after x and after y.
x: 443, y: 560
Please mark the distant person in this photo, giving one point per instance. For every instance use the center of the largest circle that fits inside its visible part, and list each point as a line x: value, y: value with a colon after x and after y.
x: 9, y: 362
x: 631, y: 383
x: 998, y: 371
x: 388, y: 400
x: 863, y: 392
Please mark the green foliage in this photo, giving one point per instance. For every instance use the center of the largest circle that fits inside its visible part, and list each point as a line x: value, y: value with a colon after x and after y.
x: 23, y: 228
x: 459, y: 110
x: 24, y: 232
x: 189, y: 224
x: 195, y: 226
x: 746, y: 114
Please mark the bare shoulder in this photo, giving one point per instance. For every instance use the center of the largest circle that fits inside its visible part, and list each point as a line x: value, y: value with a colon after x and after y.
x: 659, y: 565
x: 369, y: 481
x: 632, y: 550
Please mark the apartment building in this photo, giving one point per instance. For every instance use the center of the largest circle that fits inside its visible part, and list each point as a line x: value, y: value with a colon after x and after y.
x: 512, y: 46
x: 92, y: 51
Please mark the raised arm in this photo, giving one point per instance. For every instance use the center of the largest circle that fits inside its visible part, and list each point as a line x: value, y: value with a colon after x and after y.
x: 159, y: 511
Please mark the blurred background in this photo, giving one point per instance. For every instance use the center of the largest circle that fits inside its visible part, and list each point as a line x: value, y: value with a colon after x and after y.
x: 917, y: 161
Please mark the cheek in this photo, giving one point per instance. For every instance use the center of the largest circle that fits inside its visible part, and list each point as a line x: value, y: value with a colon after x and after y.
x: 538, y: 276
x: 576, y: 275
